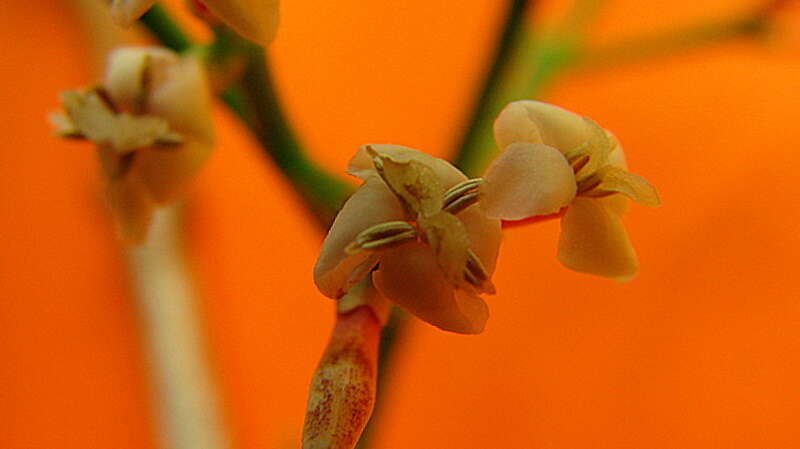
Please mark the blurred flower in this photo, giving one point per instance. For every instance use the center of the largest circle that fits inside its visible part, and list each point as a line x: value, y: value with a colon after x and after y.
x: 434, y: 248
x: 553, y: 158
x: 151, y: 122
x: 256, y: 20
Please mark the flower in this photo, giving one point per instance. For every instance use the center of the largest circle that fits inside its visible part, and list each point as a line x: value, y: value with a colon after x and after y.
x: 151, y: 122
x: 415, y: 219
x: 552, y: 159
x: 256, y: 20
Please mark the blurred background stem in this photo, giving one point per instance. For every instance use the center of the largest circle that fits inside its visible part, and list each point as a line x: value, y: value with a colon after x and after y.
x: 537, y: 58
x: 323, y: 193
x: 187, y: 408
x: 483, y: 111
x: 184, y: 396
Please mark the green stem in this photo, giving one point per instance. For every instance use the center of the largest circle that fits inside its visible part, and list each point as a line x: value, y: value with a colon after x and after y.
x: 528, y: 63
x: 187, y: 410
x: 263, y: 114
x: 483, y: 110
x: 166, y: 30
x: 672, y: 42
x: 255, y: 100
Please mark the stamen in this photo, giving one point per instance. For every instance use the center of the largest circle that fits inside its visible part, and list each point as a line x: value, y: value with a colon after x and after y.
x: 462, y: 195
x: 462, y: 203
x: 103, y: 94
x: 579, y: 162
x: 145, y: 81
x: 168, y: 141
x: 476, y: 275
x: 585, y: 185
x: 382, y: 236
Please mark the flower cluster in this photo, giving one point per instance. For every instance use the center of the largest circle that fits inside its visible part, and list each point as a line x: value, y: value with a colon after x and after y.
x: 553, y: 159
x: 150, y: 119
x: 415, y: 219
x: 429, y: 237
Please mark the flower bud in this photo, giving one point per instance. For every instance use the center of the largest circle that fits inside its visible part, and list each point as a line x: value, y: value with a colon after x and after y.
x: 342, y: 392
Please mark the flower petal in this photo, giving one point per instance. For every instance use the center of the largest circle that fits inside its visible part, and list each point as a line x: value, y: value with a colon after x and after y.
x: 527, y: 180
x: 614, y: 179
x: 617, y: 156
x: 593, y: 240
x: 125, y: 12
x: 127, y: 70
x: 371, y: 204
x: 448, y: 238
x: 166, y: 172
x: 598, y: 147
x: 538, y: 122
x: 409, y: 276
x: 361, y: 165
x: 256, y: 20
x: 181, y: 94
x: 615, y: 203
x: 485, y: 235
x: 415, y: 183
x: 89, y: 115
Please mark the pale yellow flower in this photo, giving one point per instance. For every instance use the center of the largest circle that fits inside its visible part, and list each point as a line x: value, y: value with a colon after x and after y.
x: 552, y: 159
x: 150, y: 119
x: 413, y: 218
x: 256, y: 20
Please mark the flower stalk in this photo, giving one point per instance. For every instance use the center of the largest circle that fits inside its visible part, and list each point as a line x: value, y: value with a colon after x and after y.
x: 187, y: 411
x: 343, y: 389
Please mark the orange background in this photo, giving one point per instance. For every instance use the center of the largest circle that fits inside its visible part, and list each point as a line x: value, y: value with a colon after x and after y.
x: 701, y: 351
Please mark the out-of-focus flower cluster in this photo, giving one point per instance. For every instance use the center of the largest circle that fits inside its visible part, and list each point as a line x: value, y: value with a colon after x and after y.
x: 150, y: 119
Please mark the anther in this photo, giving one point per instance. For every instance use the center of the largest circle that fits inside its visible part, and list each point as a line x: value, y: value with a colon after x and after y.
x: 382, y: 236
x: 476, y: 275
x: 462, y: 195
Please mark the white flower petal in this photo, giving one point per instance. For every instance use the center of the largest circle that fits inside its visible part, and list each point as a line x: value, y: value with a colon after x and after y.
x: 593, y: 240
x: 256, y: 20
x: 361, y: 166
x: 125, y: 73
x: 538, y: 122
x: 616, y: 203
x: 485, y: 235
x: 181, y: 94
x: 617, y: 156
x: 527, y: 180
x: 410, y: 277
x: 373, y: 203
